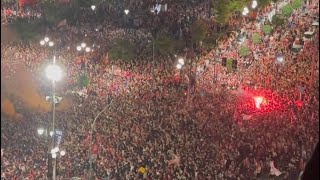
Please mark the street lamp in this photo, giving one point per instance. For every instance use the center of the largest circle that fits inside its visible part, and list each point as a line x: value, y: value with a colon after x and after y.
x: 88, y: 49
x: 245, y: 11
x: 179, y: 66
x: 40, y: 131
x: 254, y: 4
x: 181, y: 61
x: 51, y: 43
x: 93, y: 7
x: 91, y: 137
x: 46, y: 41
x: 62, y: 152
x: 126, y: 11
x: 53, y: 73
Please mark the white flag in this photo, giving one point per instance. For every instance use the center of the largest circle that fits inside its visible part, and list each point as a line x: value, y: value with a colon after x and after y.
x: 246, y: 117
x: 274, y: 170
x: 174, y: 161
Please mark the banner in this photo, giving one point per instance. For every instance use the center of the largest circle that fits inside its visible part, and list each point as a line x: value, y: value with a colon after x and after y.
x: 58, y: 137
x: 27, y: 2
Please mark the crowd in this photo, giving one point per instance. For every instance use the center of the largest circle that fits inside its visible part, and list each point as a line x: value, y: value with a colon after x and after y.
x: 149, y: 130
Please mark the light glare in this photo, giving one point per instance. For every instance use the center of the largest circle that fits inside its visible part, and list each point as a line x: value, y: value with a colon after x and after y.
x: 51, y: 43
x: 179, y: 66
x: 54, y: 72
x: 181, y: 61
x: 40, y: 131
x: 62, y: 153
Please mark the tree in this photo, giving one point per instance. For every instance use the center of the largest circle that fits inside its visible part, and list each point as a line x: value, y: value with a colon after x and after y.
x: 27, y: 30
x: 244, y: 51
x: 83, y: 80
x: 223, y: 9
x: 256, y: 39
x: 277, y: 20
x: 164, y: 45
x: 122, y: 49
x: 198, y: 31
x: 54, y: 13
x: 267, y: 29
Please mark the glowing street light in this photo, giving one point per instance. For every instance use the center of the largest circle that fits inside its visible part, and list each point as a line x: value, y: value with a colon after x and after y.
x: 40, y: 131
x: 46, y: 39
x: 179, y: 66
x: 88, y: 49
x: 51, y: 43
x: 62, y: 152
x: 42, y: 42
x: 93, y: 7
x: 245, y: 11
x: 54, y: 155
x: 51, y: 133
x: 83, y: 45
x: 79, y: 48
x: 126, y: 11
x: 56, y: 149
x: 254, y: 4
x: 54, y: 72
x: 181, y: 61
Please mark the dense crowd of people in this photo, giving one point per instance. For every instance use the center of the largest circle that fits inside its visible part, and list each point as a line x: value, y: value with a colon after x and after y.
x: 164, y: 123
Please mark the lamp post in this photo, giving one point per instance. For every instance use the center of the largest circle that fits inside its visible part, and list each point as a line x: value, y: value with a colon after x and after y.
x: 91, y: 138
x: 53, y: 73
x: 56, y: 153
x: 41, y: 132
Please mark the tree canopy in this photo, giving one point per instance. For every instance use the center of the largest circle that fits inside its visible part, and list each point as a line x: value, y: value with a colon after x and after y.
x: 122, y: 49
x: 164, y: 45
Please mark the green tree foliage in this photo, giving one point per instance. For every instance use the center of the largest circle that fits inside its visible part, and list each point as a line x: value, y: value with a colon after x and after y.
x: 164, y: 45
x: 256, y: 38
x: 267, y: 29
x: 288, y: 9
x: 244, y: 51
x: 54, y: 13
x: 229, y: 64
x: 296, y: 4
x: 27, y: 30
x: 211, y: 40
x: 277, y: 20
x: 83, y: 80
x: 198, y: 31
x: 223, y: 9
x: 87, y: 3
x: 122, y: 49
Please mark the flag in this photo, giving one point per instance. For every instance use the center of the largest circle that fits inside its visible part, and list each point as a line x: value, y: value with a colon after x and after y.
x: 174, y: 161
x: 246, y: 117
x: 58, y: 136
x: 274, y: 170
